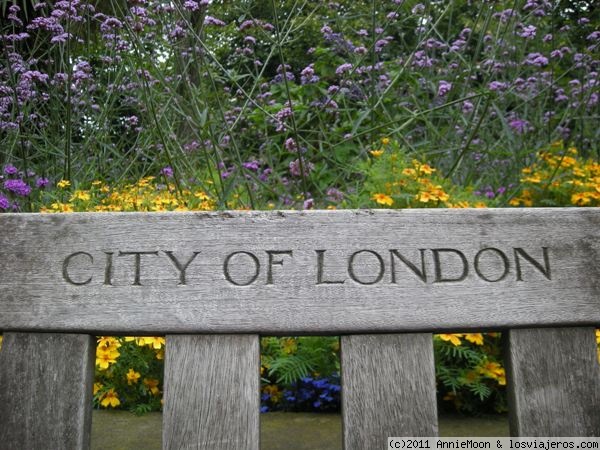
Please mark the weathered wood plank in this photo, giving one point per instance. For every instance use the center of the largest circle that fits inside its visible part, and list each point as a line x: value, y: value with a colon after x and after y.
x: 553, y: 380
x: 46, y: 391
x: 212, y: 395
x: 388, y: 388
x: 329, y: 272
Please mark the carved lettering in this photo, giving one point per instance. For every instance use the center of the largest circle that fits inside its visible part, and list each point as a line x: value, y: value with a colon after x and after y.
x: 252, y: 279
x: 181, y: 267
x: 366, y: 266
x: 278, y: 262
x: 108, y: 268
x: 422, y: 274
x: 65, y: 269
x: 503, y: 258
x: 545, y: 270
x: 353, y: 274
x: 320, y: 269
x: 137, y: 264
x: 439, y: 278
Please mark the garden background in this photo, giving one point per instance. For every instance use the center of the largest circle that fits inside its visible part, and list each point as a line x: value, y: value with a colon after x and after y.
x: 150, y: 105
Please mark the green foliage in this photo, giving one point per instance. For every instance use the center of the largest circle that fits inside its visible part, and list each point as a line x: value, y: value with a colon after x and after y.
x: 286, y: 360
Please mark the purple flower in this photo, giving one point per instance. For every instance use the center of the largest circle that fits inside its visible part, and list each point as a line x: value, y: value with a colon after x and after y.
x: 42, y: 182
x: 346, y: 67
x: 167, y: 171
x: 210, y: 20
x: 528, y: 32
x: 536, y: 59
x: 467, y: 107
x: 295, y: 167
x: 251, y: 165
x: 19, y: 187
x: 443, y: 88
x: 519, y: 126
x: 290, y: 145
x: 9, y: 169
x: 4, y: 203
x: 309, y: 203
x: 497, y: 86
x: 334, y: 195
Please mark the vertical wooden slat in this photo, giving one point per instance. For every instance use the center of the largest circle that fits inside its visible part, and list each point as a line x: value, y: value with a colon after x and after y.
x: 46, y: 391
x: 388, y: 388
x: 553, y: 380
x: 212, y: 398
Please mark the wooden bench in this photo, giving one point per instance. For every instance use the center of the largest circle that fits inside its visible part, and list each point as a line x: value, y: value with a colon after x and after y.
x: 214, y: 282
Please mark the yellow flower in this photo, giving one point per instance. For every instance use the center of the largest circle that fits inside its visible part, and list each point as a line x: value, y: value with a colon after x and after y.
x: 425, y: 196
x: 580, y: 199
x: 132, y: 376
x: 426, y: 169
x: 454, y: 339
x: 63, y: 184
x: 80, y: 195
x: 104, y: 358
x: 475, y: 338
x: 154, y: 342
x: 273, y: 391
x: 385, y: 141
x: 289, y: 346
x: 409, y: 172
x: 152, y: 385
x: 97, y: 387
x: 376, y: 153
x: 383, y: 199
x: 110, y: 399
x: 108, y: 343
x: 491, y: 369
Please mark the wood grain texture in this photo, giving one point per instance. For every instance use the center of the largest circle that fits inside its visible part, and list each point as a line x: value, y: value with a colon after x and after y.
x: 388, y: 389
x: 212, y: 396
x: 178, y: 284
x: 46, y: 391
x: 553, y: 380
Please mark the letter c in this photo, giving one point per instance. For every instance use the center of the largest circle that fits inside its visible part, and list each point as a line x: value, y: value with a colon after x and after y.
x: 65, y: 269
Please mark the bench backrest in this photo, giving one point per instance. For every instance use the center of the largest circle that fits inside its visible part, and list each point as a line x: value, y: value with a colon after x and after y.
x: 214, y: 282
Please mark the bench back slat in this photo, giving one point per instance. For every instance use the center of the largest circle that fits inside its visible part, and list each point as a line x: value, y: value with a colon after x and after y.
x: 46, y: 391
x: 211, y: 397
x: 388, y: 384
x: 288, y: 273
x: 553, y: 379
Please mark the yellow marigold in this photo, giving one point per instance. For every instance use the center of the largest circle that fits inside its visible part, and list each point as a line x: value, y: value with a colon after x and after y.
x: 385, y: 141
x: 108, y: 343
x: 104, y: 358
x: 383, y: 199
x: 110, y: 399
x: 97, y: 387
x: 474, y: 338
x: 273, y: 391
x: 580, y: 198
x: 425, y: 197
x: 454, y: 339
x: 152, y: 385
x: 289, y: 346
x: 491, y: 369
x: 426, y: 169
x: 376, y: 153
x: 80, y: 195
x: 132, y: 377
x: 409, y: 172
x: 63, y: 184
